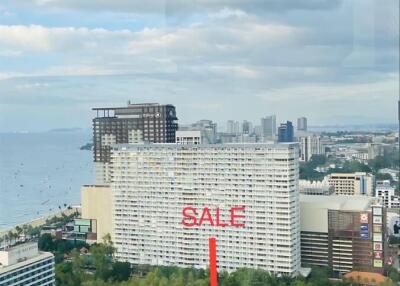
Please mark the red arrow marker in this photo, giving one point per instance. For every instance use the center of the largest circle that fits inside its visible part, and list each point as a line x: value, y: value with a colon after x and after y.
x: 213, y: 261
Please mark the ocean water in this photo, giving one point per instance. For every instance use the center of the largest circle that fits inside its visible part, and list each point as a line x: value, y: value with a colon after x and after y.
x: 40, y: 172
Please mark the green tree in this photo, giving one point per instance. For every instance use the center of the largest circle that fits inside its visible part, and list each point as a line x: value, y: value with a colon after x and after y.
x: 121, y: 271
x: 320, y: 276
x: 46, y: 242
x: 102, y: 258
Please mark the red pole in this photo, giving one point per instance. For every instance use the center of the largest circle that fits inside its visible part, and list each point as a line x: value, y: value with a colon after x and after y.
x: 213, y: 261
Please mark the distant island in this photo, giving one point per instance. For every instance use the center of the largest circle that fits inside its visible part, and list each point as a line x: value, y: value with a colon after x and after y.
x: 65, y: 130
x: 87, y: 146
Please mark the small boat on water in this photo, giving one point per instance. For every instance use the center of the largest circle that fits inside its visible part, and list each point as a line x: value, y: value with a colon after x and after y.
x: 45, y: 202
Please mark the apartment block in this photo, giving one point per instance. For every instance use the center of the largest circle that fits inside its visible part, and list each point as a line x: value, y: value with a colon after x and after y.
x: 153, y: 185
x: 351, y: 184
x: 387, y: 194
x: 25, y: 265
x: 309, y: 146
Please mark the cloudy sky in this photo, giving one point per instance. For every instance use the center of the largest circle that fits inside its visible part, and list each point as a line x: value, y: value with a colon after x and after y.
x: 333, y: 61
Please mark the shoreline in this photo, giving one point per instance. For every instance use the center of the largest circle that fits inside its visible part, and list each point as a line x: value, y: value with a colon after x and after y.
x: 42, y: 220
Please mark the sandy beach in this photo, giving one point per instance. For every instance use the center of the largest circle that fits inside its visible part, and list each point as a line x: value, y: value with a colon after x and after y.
x: 42, y: 220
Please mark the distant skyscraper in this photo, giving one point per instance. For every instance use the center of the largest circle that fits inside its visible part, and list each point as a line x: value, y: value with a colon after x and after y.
x: 302, y: 124
x: 268, y: 126
x: 285, y: 132
x: 246, y: 127
x: 135, y: 123
x: 233, y: 127
x: 309, y: 146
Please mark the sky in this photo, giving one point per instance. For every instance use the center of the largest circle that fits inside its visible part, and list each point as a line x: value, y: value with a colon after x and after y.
x: 335, y: 62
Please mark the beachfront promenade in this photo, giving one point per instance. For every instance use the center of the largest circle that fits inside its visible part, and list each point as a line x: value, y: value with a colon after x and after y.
x: 42, y: 220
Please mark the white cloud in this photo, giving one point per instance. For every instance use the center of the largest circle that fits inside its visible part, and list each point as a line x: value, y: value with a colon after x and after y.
x: 36, y: 38
x: 151, y: 50
x: 252, y: 64
x: 179, y: 6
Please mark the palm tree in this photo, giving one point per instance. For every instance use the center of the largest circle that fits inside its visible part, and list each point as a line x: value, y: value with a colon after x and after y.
x: 18, y: 229
x: 6, y: 238
x: 10, y: 236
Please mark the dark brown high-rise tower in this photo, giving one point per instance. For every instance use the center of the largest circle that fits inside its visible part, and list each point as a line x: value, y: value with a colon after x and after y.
x: 145, y: 122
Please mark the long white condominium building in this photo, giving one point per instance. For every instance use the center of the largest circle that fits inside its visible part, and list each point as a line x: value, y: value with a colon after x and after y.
x: 153, y: 183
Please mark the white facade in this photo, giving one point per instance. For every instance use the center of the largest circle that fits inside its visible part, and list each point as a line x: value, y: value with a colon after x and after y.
x: 387, y: 194
x: 309, y: 146
x: 315, y: 188
x: 188, y: 137
x: 24, y: 265
x: 153, y: 183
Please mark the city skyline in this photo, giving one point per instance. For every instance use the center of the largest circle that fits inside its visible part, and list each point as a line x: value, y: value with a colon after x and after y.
x: 63, y: 57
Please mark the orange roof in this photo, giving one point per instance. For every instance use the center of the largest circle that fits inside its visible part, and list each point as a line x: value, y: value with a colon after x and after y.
x: 362, y: 276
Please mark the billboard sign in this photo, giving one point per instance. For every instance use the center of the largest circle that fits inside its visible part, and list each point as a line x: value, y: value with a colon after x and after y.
x: 364, y: 231
x: 378, y: 246
x: 378, y: 263
x: 364, y: 218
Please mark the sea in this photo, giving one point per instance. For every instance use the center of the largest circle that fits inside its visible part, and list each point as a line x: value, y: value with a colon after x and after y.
x: 41, y: 173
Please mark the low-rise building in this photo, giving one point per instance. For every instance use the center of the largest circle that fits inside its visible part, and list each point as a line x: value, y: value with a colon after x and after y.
x: 315, y: 188
x: 188, y: 137
x: 25, y: 265
x: 352, y: 184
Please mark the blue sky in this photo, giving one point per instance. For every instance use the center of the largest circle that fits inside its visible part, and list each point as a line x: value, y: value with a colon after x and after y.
x: 335, y: 62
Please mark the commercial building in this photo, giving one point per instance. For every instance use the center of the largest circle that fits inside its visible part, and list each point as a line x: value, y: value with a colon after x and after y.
x: 386, y: 193
x: 286, y: 132
x: 302, y: 124
x: 343, y: 234
x: 351, y: 184
x: 309, y: 146
x: 147, y: 122
x: 25, y: 265
x: 153, y: 185
x: 96, y: 203
x: 268, y: 127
